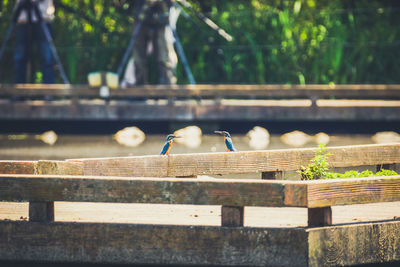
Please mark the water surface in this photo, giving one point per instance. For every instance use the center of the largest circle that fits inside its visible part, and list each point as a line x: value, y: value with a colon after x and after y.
x: 18, y: 147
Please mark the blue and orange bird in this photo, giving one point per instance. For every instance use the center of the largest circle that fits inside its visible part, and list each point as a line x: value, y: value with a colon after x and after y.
x: 168, y: 144
x: 228, y: 140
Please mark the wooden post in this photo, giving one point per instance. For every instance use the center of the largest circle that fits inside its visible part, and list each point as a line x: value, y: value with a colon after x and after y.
x: 314, y: 99
x: 232, y: 216
x: 41, y: 211
x: 319, y: 216
x: 275, y: 175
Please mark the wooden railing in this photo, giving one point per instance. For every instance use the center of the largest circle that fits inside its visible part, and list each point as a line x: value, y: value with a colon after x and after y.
x: 43, y: 238
x: 233, y: 195
x: 269, y: 163
x: 276, y: 91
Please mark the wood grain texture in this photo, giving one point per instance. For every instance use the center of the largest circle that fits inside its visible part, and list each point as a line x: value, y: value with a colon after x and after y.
x: 238, y: 162
x: 355, y: 244
x: 46, y: 188
x: 150, y: 244
x: 59, y: 167
x: 146, y: 166
x: 324, y: 193
x: 269, y: 193
x: 17, y: 167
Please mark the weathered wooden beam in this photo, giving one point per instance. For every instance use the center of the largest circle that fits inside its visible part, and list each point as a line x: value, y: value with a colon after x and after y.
x: 344, y: 245
x: 232, y: 216
x: 325, y: 193
x: 146, y: 166
x: 41, y: 167
x: 151, y: 244
x: 227, y: 192
x: 319, y: 216
x: 59, y: 167
x: 355, y: 244
x: 41, y: 211
x: 269, y: 163
x: 17, y: 167
x: 240, y: 162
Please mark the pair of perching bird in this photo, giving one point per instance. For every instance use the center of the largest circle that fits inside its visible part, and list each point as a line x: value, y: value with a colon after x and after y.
x: 170, y: 139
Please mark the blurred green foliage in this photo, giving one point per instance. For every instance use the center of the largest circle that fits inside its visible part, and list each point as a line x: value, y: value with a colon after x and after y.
x: 275, y: 41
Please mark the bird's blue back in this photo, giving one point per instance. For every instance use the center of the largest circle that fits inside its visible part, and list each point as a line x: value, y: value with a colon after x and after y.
x: 166, y: 148
x: 229, y: 144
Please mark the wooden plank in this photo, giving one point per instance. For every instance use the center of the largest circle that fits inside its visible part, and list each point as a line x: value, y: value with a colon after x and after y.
x: 355, y: 244
x: 59, y: 167
x: 342, y: 245
x: 227, y: 192
x: 192, y: 111
x: 148, y: 166
x: 324, y: 193
x: 319, y: 216
x: 238, y: 162
x: 150, y: 244
x: 17, y: 167
x: 210, y: 91
x: 41, y: 167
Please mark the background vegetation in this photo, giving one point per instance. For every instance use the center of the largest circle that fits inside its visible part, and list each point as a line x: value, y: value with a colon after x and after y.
x: 275, y: 41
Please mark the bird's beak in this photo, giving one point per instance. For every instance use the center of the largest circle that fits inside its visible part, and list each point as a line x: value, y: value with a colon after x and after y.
x: 177, y: 136
x: 219, y: 132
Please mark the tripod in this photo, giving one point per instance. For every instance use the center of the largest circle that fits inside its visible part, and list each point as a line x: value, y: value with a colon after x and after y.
x: 28, y: 6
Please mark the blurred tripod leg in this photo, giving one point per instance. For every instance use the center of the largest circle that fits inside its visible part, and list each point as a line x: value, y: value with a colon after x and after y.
x: 53, y: 50
x: 181, y: 54
x: 128, y: 50
x: 49, y: 39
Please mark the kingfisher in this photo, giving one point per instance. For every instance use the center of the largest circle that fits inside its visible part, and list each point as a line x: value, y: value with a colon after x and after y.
x: 168, y: 144
x: 228, y: 140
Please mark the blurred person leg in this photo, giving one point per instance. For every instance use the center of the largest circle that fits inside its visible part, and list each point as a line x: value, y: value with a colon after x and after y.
x: 21, y: 53
x: 46, y: 57
x: 166, y: 57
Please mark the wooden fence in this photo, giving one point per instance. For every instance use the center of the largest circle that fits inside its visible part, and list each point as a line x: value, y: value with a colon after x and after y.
x: 43, y: 239
x: 41, y: 183
x: 269, y: 163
